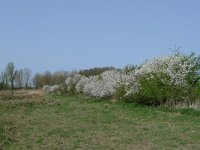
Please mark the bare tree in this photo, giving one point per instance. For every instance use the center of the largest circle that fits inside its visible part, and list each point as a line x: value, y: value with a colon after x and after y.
x: 11, y: 74
x: 26, y: 76
x: 19, y: 78
x: 59, y: 77
x: 37, y: 80
x: 47, y: 78
x: 23, y: 77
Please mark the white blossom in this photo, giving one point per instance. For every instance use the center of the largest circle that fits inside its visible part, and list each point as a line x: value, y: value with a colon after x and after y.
x: 175, y: 68
x: 50, y: 89
x: 72, y: 80
x: 103, y: 85
x: 171, y: 70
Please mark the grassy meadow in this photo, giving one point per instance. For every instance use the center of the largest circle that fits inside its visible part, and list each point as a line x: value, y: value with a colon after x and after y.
x: 36, y: 121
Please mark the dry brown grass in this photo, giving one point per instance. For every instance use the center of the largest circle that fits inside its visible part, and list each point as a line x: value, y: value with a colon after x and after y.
x: 194, y: 105
x: 21, y: 94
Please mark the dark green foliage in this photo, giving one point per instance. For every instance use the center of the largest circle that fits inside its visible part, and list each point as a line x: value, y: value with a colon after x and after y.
x: 94, y: 71
x: 120, y: 92
x: 64, y: 89
x: 153, y: 92
x: 4, y: 86
x: 129, y: 68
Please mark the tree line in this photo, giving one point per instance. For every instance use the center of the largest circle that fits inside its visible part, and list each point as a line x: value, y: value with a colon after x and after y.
x: 13, y: 78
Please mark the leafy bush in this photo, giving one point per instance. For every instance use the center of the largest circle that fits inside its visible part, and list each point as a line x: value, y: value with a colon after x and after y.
x: 171, y: 80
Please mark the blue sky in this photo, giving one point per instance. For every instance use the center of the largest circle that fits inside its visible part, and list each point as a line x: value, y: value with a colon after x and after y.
x: 77, y: 34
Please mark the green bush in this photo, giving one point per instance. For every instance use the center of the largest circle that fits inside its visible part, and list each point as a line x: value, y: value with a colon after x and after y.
x: 4, y: 86
x: 167, y: 81
x: 154, y: 92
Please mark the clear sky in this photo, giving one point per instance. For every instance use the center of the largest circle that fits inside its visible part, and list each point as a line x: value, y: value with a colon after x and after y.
x: 77, y: 34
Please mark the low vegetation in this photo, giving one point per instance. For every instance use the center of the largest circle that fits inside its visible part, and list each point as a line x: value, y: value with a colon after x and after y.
x: 37, y: 121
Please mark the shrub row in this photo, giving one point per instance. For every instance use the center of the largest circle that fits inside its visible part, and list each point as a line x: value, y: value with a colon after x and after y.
x: 162, y: 80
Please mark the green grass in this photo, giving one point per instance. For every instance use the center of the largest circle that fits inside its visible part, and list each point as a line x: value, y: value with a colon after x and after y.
x: 61, y: 122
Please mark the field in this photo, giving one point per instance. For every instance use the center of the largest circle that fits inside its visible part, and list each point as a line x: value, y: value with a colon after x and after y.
x: 36, y: 121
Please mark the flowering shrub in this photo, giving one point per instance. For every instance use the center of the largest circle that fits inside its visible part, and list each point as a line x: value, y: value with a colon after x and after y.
x: 51, y: 89
x: 173, y: 70
x: 97, y: 89
x: 71, y: 82
x: 99, y: 86
x: 161, y: 80
x: 45, y: 88
x: 81, y: 84
x: 165, y: 79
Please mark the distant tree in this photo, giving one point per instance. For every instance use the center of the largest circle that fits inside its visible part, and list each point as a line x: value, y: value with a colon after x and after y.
x: 42, y: 79
x: 26, y: 77
x: 94, y: 71
x: 59, y: 77
x: 3, y: 81
x: 37, y: 81
x: 129, y: 68
x: 19, y: 78
x: 11, y: 74
x: 47, y: 78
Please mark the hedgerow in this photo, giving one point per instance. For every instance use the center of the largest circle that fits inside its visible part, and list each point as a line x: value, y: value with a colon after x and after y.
x: 158, y: 81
